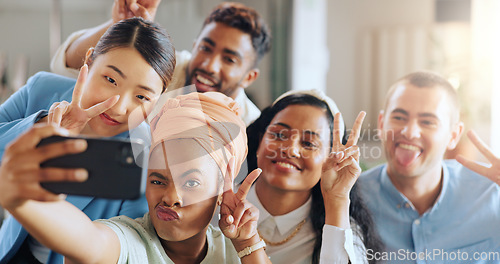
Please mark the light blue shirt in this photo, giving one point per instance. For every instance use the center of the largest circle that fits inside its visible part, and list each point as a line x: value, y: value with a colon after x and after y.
x: 463, y: 224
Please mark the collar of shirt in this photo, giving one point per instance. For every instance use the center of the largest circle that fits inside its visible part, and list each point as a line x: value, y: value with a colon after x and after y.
x: 399, y: 200
x: 284, y: 223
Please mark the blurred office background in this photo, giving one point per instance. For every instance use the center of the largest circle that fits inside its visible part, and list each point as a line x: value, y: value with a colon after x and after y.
x: 351, y: 49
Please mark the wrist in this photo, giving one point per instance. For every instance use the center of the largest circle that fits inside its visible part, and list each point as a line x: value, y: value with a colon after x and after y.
x: 255, y: 251
x: 10, y: 205
x: 337, y: 213
x: 42, y: 119
x: 242, y: 244
x: 336, y: 203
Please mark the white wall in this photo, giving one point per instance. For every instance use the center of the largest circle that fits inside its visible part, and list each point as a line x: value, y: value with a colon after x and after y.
x: 347, y: 21
x: 309, y: 53
x: 24, y: 28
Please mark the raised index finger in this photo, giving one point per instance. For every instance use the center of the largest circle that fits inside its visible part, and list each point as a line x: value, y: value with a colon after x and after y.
x: 78, y: 90
x: 247, y: 184
x: 356, y: 129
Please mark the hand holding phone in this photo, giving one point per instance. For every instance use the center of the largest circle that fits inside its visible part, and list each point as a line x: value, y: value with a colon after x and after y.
x: 20, y: 172
x: 113, y: 172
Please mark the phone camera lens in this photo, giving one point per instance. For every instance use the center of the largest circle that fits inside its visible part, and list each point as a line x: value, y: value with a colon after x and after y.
x: 125, y: 155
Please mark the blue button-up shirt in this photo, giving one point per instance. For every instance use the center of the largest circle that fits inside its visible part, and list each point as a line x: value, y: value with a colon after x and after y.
x: 463, y: 226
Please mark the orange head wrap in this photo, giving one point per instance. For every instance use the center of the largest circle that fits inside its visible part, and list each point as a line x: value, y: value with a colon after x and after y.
x: 211, y: 119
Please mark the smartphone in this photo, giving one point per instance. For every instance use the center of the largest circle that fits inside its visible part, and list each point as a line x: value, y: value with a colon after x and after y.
x: 114, y: 173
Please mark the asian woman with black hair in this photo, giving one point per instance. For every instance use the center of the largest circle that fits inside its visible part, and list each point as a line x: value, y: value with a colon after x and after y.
x: 123, y: 77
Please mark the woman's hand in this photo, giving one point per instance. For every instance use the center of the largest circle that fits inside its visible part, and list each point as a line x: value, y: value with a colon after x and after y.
x: 20, y: 172
x: 340, y: 172
x: 238, y: 217
x: 72, y: 116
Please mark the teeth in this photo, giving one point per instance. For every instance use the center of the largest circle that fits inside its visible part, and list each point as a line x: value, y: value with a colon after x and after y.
x: 286, y: 165
x: 204, y: 80
x: 409, y: 147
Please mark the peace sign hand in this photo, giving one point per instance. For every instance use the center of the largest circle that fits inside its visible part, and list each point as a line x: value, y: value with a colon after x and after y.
x: 491, y: 171
x: 71, y: 115
x: 341, y: 170
x: 238, y: 217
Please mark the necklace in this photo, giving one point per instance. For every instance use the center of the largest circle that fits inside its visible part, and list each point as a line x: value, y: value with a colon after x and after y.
x: 297, y: 229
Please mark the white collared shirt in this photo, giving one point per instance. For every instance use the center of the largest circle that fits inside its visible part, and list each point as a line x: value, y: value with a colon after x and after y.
x: 337, y: 246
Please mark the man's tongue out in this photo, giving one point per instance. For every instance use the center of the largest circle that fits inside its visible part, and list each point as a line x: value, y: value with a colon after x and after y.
x: 405, y: 155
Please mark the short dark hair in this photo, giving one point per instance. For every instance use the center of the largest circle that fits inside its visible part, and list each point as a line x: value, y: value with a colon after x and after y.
x: 246, y: 19
x: 148, y: 38
x: 432, y: 80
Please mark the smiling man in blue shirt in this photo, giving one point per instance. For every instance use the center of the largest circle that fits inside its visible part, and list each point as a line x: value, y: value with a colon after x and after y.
x: 426, y: 209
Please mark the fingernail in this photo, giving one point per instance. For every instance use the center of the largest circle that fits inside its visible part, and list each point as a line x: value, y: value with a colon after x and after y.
x: 230, y: 219
x: 81, y: 175
x: 80, y: 144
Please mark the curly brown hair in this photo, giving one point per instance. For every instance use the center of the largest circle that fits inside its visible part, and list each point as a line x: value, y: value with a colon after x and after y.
x: 246, y: 19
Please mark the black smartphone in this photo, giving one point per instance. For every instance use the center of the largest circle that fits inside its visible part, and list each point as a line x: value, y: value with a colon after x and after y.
x: 114, y: 173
